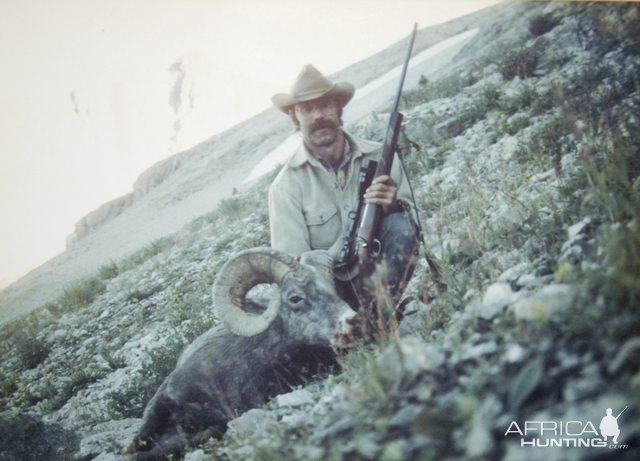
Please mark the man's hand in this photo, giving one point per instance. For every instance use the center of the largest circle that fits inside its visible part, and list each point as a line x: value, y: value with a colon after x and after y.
x: 382, y: 191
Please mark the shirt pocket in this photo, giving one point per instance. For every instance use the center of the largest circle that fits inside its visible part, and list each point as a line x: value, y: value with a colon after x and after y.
x: 324, y: 227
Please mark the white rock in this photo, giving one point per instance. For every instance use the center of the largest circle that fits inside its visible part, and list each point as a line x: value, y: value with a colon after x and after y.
x: 498, y: 293
x: 479, y: 441
x: 515, y: 353
x: 475, y: 351
x: 531, y: 281
x: 197, y: 455
x: 114, y: 434
x: 406, y: 359
x: 548, y: 301
x: 577, y: 228
x: 296, y: 398
x: 484, y: 311
x: 415, y: 313
x: 253, y: 421
x: 513, y: 273
x: 496, y: 297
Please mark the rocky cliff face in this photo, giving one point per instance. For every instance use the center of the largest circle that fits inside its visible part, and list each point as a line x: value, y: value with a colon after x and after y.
x: 526, y: 175
x: 99, y: 216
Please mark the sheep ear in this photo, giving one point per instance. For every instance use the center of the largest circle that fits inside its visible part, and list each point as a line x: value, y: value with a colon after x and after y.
x: 318, y: 258
x: 241, y: 273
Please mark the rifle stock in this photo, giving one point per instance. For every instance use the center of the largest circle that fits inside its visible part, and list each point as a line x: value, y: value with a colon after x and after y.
x: 367, y: 247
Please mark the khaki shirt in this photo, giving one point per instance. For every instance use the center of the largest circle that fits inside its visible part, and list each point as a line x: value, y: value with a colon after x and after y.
x: 309, y: 204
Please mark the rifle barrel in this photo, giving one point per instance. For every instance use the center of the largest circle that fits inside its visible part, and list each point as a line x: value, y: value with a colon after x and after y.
x: 364, y: 246
x: 396, y: 104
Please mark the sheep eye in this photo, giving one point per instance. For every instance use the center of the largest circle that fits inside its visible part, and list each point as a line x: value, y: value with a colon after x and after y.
x: 295, y: 299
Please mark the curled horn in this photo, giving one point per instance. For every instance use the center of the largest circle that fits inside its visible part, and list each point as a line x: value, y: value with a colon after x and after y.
x: 239, y: 275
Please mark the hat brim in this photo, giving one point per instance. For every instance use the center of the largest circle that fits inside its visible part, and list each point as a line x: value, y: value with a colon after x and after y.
x: 342, y: 92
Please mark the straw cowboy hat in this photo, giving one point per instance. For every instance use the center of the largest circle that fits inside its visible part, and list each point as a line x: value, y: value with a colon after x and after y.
x: 311, y: 84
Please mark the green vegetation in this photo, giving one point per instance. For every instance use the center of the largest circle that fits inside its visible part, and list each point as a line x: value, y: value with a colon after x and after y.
x: 81, y: 294
x: 108, y: 271
x: 528, y: 159
x: 34, y: 440
x: 32, y: 351
x: 152, y: 249
x: 576, y: 158
x: 130, y: 401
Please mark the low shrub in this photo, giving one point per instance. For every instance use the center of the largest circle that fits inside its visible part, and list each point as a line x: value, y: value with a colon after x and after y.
x: 81, y: 294
x: 27, y: 438
x: 108, y: 271
x: 32, y: 351
x: 541, y: 24
x: 520, y: 61
x: 150, y: 250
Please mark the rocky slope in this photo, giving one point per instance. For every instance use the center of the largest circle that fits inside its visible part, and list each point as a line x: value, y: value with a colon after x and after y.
x: 186, y: 186
x: 525, y: 166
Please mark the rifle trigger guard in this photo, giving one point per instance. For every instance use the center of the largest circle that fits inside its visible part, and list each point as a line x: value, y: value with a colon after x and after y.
x: 376, y: 248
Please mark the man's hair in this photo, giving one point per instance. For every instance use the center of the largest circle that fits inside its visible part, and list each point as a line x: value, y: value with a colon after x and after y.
x: 296, y: 122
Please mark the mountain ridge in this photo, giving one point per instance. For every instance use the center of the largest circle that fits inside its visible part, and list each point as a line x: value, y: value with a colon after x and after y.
x: 125, y: 224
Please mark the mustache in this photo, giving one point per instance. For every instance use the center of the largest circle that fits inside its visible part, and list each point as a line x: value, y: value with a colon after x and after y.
x: 323, y: 123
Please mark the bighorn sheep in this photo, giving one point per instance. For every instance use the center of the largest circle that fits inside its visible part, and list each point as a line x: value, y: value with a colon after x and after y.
x: 254, y: 356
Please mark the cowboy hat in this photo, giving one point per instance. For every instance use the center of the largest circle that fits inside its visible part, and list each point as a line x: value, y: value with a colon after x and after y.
x: 311, y: 84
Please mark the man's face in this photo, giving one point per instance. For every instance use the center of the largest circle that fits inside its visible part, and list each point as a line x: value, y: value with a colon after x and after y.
x: 319, y: 121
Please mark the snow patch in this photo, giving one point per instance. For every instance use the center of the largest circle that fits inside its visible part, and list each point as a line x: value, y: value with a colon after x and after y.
x: 285, y: 150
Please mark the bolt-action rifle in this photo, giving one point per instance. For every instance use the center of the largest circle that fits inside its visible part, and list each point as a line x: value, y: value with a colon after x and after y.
x: 361, y: 247
x: 621, y: 412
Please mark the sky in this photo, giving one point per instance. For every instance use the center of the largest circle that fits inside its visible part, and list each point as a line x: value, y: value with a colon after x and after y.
x: 93, y: 92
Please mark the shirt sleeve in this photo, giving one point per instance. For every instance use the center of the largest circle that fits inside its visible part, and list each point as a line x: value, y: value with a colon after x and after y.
x: 287, y: 226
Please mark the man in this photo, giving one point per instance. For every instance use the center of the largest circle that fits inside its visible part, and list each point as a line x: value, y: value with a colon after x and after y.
x: 314, y: 195
x: 609, y: 426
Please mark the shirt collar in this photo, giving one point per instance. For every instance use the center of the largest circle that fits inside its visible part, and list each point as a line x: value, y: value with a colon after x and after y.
x: 346, y: 158
x: 356, y: 148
